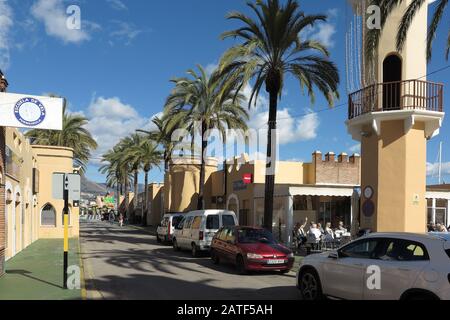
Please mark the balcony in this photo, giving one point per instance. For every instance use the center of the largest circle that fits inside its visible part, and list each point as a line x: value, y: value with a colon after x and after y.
x: 400, y: 95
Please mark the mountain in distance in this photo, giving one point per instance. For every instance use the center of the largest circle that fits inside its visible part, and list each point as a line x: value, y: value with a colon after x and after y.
x: 99, y: 189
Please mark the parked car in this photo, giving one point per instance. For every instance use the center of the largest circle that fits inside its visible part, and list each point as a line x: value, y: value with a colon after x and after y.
x: 380, y: 266
x: 196, y: 231
x: 250, y: 249
x: 166, y: 228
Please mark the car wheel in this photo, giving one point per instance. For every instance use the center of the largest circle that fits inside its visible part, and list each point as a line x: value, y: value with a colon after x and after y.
x: 194, y: 250
x: 158, y: 239
x: 215, y: 257
x: 240, y: 265
x: 175, y: 245
x: 310, y: 286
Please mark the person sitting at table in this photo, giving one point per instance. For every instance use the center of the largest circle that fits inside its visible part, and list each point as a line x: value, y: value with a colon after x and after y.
x: 329, y: 234
x: 340, y: 230
x: 314, y: 236
x: 319, y: 226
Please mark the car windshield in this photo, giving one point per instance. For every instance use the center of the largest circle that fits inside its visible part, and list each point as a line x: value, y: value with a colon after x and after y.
x: 254, y: 236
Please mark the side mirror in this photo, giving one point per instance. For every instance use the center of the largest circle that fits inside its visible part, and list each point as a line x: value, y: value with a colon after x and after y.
x: 333, y: 255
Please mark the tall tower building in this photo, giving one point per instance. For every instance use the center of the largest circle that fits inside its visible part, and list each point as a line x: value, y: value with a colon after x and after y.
x: 393, y: 118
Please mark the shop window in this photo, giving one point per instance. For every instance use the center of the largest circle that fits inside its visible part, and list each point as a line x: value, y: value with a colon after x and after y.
x: 48, y: 216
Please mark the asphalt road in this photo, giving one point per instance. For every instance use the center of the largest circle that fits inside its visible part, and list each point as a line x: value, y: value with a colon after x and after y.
x: 128, y: 263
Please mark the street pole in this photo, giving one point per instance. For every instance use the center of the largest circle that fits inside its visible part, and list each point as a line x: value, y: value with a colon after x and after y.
x: 66, y: 229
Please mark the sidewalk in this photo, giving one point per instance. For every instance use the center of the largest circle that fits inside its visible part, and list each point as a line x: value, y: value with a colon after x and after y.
x: 36, y: 272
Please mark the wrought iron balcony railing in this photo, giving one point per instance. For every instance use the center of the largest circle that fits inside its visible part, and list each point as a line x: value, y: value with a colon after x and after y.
x: 400, y: 95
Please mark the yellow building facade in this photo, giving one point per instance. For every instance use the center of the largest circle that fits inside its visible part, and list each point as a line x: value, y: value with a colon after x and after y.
x: 31, y: 213
x: 393, y: 118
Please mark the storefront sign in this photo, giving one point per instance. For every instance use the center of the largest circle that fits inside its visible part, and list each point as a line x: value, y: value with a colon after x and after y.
x: 247, y: 178
x: 31, y: 112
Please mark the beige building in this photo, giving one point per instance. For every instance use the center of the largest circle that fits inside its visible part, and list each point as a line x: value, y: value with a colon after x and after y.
x: 54, y: 160
x: 322, y: 190
x: 31, y: 213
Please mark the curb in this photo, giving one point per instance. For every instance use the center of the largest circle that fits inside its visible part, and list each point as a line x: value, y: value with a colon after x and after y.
x: 82, y: 280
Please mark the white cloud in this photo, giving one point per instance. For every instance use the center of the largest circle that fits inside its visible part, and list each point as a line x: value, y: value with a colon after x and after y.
x: 117, y: 5
x: 112, y: 120
x: 355, y: 148
x: 125, y: 32
x: 290, y: 128
x: 53, y: 14
x: 6, y: 23
x: 323, y: 31
x: 433, y: 169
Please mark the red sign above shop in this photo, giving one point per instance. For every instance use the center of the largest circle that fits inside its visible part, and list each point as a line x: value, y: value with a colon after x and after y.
x: 247, y: 178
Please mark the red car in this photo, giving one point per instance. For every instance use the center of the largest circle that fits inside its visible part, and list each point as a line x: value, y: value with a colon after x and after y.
x: 250, y: 249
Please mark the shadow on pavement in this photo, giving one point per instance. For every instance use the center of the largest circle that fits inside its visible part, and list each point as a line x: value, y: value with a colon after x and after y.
x: 146, y: 287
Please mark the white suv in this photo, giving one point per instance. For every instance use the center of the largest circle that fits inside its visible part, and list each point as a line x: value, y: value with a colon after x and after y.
x: 380, y: 266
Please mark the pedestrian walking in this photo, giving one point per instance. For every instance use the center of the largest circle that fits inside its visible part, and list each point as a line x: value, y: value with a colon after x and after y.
x: 121, y: 220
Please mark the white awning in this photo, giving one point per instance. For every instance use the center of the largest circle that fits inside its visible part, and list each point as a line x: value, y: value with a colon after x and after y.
x: 329, y: 191
x: 437, y: 195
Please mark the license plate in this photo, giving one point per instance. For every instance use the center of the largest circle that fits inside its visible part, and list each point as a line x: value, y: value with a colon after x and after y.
x: 276, y: 261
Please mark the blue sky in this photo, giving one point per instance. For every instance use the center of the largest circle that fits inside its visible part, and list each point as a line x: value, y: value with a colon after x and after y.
x: 116, y: 69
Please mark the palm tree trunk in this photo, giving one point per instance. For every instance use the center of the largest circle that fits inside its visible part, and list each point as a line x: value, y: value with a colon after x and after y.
x: 135, y: 187
x: 127, y: 197
x: 117, y: 197
x: 200, y: 203
x: 145, y: 211
x: 225, y: 172
x: 270, y: 162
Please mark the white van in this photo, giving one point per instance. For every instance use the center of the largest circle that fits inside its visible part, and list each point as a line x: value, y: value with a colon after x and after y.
x: 196, y: 231
x: 166, y: 228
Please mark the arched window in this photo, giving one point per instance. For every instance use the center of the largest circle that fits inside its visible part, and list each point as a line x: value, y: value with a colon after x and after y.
x: 48, y: 216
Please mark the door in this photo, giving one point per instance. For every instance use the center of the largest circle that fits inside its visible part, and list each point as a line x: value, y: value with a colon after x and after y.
x: 400, y: 262
x: 344, y: 277
x: 229, y: 244
x: 186, y: 234
x: 219, y: 243
x: 14, y: 232
x: 22, y: 227
x: 392, y: 75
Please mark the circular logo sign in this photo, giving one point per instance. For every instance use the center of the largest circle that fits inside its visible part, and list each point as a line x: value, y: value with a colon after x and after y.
x: 29, y: 111
x: 368, y: 192
x: 368, y: 208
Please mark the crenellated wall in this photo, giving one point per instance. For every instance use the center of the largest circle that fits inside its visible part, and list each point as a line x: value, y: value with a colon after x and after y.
x: 341, y: 170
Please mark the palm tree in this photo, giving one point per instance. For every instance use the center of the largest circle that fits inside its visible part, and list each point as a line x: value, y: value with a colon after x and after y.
x: 130, y: 144
x: 273, y: 46
x: 209, y: 102
x: 73, y: 135
x: 387, y: 7
x: 118, y: 170
x: 163, y: 135
x: 149, y: 157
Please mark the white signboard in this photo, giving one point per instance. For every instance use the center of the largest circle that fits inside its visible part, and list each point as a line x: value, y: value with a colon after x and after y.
x: 64, y: 181
x: 32, y: 112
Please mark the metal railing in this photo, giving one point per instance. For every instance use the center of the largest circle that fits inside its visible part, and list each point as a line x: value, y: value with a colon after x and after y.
x: 399, y: 95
